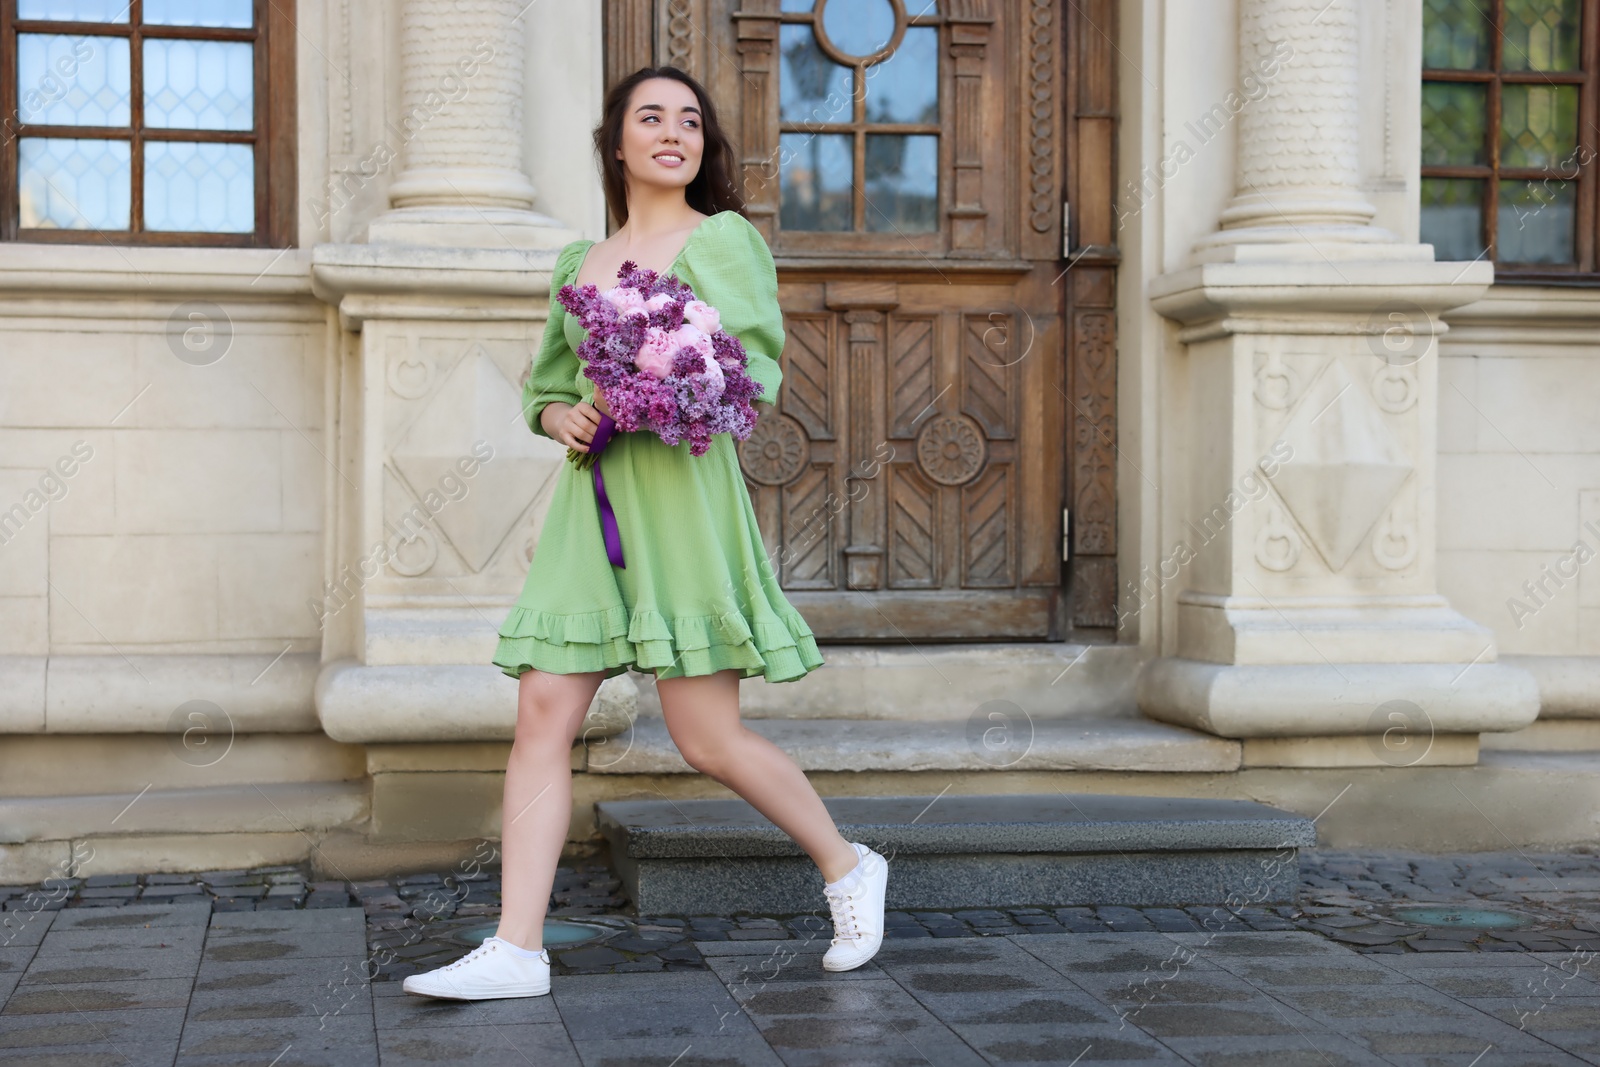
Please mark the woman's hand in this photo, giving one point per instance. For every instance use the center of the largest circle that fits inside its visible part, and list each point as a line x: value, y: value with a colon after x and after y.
x: 600, y: 402
x: 574, y: 425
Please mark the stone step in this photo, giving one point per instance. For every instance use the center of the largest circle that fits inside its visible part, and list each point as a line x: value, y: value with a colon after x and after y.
x: 980, y: 743
x: 929, y: 680
x: 721, y: 857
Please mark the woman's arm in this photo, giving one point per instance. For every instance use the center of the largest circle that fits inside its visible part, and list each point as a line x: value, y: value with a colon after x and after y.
x: 731, y: 269
x: 552, y: 386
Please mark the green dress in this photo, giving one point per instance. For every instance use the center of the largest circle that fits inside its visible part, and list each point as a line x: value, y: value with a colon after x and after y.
x: 697, y: 593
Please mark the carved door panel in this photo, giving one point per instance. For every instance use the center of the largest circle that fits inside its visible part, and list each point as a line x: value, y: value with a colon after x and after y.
x: 905, y: 161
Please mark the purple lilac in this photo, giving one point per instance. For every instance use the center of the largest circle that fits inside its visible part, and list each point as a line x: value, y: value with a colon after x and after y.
x: 682, y: 405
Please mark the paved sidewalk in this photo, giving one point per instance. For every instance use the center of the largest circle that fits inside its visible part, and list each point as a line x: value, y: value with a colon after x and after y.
x: 177, y: 983
x: 269, y: 968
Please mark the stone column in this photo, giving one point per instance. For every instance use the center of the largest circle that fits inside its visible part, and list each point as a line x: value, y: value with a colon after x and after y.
x: 1299, y: 561
x: 462, y: 180
x: 438, y: 488
x: 1298, y: 170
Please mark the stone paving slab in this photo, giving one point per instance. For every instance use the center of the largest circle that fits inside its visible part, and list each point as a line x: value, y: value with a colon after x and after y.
x: 124, y: 965
x: 23, y: 928
x: 158, y: 1027
x: 1142, y: 997
x: 506, y: 1045
x: 198, y: 979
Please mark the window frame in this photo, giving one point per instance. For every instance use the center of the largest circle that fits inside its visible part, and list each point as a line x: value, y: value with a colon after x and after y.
x: 864, y: 240
x: 272, y: 135
x: 1585, y: 268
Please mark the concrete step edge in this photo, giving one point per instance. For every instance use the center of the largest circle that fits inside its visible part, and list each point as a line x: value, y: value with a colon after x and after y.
x: 961, y: 824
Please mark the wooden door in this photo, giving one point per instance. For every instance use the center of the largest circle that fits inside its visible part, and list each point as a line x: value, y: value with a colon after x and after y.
x: 948, y: 368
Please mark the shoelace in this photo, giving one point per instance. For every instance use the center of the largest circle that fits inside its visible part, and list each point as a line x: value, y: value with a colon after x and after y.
x: 846, y: 924
x: 483, y: 949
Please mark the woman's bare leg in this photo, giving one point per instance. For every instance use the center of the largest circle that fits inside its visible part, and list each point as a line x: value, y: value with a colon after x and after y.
x: 537, y: 808
x: 702, y: 715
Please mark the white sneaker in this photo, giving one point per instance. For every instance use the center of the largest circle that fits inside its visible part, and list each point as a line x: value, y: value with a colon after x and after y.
x: 856, y: 901
x: 486, y: 972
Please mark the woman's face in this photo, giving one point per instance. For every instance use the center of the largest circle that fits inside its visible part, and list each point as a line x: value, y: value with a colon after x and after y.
x: 662, y: 134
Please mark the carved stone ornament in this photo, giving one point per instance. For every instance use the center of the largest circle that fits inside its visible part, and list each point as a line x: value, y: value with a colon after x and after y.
x: 1345, y: 465
x: 1395, y: 542
x: 416, y: 555
x: 1277, y: 543
x: 410, y: 376
x: 1277, y: 382
x: 1395, y: 389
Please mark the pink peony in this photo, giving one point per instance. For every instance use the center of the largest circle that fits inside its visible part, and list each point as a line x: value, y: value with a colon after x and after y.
x: 659, y: 301
x: 702, y: 316
x: 626, y: 299
x: 690, y: 336
x: 655, y: 354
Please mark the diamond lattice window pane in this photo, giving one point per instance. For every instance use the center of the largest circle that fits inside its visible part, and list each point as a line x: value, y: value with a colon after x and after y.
x: 74, y: 10
x: 1455, y: 35
x: 1539, y: 126
x: 198, y: 85
x: 1454, y: 117
x: 1540, y: 35
x: 229, y: 13
x: 71, y: 184
x: 69, y: 80
x: 205, y: 186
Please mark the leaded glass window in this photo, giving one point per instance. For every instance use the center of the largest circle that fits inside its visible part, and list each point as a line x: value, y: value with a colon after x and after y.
x: 142, y: 121
x: 1508, y: 134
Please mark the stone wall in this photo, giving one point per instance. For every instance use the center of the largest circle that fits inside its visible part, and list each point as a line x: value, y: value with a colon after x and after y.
x: 162, y: 494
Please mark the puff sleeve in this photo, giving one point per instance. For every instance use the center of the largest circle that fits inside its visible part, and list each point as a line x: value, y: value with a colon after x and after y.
x: 555, y: 365
x: 731, y: 269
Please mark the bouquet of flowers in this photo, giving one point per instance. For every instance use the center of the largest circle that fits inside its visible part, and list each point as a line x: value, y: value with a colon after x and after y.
x: 663, y: 359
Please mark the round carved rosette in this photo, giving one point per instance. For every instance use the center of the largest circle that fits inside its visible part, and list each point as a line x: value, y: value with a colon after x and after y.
x: 775, y: 451
x: 950, y: 449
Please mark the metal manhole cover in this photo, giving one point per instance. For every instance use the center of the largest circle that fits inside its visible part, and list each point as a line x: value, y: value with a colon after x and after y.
x: 1468, y: 918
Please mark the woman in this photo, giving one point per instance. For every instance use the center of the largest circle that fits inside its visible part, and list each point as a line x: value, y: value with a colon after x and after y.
x: 695, y: 600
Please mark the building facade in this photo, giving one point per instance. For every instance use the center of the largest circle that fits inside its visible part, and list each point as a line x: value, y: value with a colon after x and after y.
x: 1181, y: 398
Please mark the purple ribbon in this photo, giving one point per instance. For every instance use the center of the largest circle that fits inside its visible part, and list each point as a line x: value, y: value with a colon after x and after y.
x: 608, y: 517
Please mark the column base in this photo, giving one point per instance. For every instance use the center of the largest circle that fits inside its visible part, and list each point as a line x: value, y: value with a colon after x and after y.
x: 1328, y: 629
x: 469, y: 227
x: 1418, y: 700
x: 1275, y: 242
x: 1569, y: 686
x: 1318, y: 210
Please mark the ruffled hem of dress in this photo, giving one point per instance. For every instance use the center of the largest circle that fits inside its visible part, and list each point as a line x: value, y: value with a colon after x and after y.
x: 613, y: 641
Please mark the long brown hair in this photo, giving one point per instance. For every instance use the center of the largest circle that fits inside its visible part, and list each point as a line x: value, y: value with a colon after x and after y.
x: 715, y: 188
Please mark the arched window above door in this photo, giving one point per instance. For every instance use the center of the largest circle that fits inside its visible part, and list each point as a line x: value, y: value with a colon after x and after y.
x: 858, y: 116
